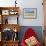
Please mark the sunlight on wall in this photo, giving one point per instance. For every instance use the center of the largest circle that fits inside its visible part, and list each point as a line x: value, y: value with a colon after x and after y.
x: 7, y: 3
x: 7, y: 0
x: 10, y: 3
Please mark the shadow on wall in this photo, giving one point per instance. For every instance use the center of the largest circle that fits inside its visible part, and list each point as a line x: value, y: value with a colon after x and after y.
x: 37, y: 29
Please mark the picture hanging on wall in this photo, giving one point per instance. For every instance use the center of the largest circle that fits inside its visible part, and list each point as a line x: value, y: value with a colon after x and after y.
x: 30, y: 13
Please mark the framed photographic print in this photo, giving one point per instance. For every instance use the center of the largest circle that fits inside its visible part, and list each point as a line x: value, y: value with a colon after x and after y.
x: 12, y: 12
x: 5, y: 12
x: 30, y: 13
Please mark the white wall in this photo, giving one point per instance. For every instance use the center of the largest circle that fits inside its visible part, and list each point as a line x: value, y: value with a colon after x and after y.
x: 32, y: 4
x: 27, y: 4
x: 7, y: 3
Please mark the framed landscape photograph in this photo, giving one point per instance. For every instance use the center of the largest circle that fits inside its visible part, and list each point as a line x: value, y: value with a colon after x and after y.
x: 30, y: 13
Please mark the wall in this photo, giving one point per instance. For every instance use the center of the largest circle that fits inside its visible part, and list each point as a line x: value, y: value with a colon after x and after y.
x: 6, y: 3
x: 32, y: 4
x: 27, y: 4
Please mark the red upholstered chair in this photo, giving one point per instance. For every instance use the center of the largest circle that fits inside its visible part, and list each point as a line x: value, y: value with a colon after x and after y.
x: 29, y: 33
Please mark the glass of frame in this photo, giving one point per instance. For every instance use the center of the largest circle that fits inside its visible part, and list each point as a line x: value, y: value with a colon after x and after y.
x: 30, y: 13
x: 5, y: 12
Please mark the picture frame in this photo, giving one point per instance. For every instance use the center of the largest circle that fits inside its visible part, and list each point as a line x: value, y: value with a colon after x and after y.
x: 13, y: 12
x: 30, y: 13
x: 5, y: 12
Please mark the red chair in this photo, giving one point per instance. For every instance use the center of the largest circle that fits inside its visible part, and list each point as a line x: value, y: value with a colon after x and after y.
x: 29, y: 33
